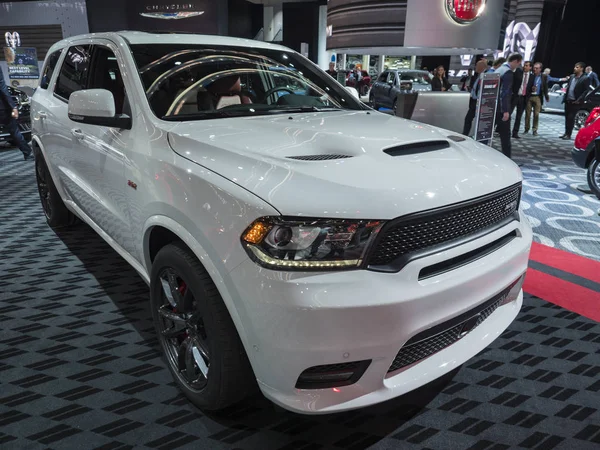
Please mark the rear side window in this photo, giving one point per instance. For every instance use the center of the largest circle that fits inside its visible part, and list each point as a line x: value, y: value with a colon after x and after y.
x: 74, y: 71
x: 49, y: 69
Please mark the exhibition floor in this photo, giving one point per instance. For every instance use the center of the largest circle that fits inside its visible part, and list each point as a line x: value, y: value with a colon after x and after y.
x: 79, y: 365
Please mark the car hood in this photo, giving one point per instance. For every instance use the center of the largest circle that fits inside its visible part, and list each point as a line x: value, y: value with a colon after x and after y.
x: 367, y: 183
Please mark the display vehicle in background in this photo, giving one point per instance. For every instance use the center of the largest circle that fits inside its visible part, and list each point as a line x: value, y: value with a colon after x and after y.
x: 23, y: 103
x: 303, y: 244
x: 390, y: 83
x: 591, y: 101
x: 584, y: 152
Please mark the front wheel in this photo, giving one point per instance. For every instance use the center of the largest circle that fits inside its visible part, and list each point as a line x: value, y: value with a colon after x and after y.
x: 593, y: 177
x: 198, y: 338
x: 57, y: 214
x: 580, y: 118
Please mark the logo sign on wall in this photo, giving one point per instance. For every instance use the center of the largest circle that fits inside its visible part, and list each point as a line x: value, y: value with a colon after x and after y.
x: 171, y: 11
x: 198, y: 16
x: 465, y: 11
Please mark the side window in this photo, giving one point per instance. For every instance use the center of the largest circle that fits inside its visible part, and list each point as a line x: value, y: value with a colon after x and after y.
x: 74, y: 71
x: 391, y: 78
x: 51, y: 62
x: 106, y: 75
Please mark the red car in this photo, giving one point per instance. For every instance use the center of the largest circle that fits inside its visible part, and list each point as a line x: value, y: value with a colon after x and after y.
x: 584, y: 154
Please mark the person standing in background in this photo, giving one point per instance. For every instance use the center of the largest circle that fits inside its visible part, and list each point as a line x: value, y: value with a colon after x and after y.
x: 440, y: 82
x: 467, y: 81
x: 577, y: 88
x: 538, y: 91
x: 593, y: 76
x: 521, y: 91
x: 9, y: 114
x: 331, y: 71
x: 480, y: 68
x: 506, y: 72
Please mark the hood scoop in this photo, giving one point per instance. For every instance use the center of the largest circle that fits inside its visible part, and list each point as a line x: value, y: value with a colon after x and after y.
x: 319, y: 157
x: 417, y: 148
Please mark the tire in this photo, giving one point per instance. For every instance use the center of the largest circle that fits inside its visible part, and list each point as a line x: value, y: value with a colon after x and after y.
x: 57, y: 214
x: 374, y: 105
x: 593, y: 176
x: 220, y: 371
x: 580, y: 118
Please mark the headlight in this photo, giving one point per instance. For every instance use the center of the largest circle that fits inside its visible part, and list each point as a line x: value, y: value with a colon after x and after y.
x: 310, y: 244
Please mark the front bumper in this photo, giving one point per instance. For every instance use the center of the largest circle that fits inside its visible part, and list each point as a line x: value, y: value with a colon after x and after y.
x: 294, y: 321
x: 580, y: 157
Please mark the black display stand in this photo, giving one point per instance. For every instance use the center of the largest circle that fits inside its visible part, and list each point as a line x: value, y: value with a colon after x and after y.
x: 487, y: 104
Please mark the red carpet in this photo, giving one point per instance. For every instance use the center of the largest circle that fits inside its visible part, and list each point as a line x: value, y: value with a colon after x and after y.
x: 567, y: 294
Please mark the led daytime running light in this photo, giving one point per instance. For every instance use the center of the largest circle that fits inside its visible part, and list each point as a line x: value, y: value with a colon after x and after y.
x: 266, y: 259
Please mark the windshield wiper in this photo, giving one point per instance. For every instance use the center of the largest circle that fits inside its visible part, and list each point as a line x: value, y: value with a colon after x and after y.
x: 206, y: 115
x: 301, y: 109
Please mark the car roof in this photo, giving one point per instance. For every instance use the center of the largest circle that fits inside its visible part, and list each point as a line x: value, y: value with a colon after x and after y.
x: 140, y: 37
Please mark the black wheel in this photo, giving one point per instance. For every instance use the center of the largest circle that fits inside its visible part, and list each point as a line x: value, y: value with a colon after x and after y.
x: 198, y: 338
x: 57, y: 214
x: 593, y: 177
x: 374, y: 105
x: 580, y: 118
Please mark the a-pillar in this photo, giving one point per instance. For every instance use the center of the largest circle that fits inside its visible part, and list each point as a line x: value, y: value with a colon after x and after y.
x: 273, y: 22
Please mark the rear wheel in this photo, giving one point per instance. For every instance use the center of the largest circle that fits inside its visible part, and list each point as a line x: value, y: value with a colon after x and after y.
x: 593, y: 177
x: 57, y: 214
x: 580, y: 118
x: 199, y: 340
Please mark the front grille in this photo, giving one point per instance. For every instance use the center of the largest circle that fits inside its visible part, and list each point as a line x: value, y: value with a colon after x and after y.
x: 419, y: 347
x: 414, y: 234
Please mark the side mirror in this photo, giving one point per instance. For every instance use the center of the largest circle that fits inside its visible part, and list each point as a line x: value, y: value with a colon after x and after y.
x: 96, y: 107
x: 353, y: 91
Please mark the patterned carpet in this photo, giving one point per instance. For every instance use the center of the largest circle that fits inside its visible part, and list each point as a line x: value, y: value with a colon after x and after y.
x: 562, y: 216
x: 79, y: 366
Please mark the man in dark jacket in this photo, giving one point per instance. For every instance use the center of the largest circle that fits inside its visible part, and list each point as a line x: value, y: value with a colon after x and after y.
x: 577, y: 88
x: 521, y: 84
x: 538, y: 91
x: 8, y: 117
x: 506, y: 72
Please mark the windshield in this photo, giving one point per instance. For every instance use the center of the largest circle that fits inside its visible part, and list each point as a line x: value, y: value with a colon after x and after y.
x: 422, y: 78
x: 197, y: 82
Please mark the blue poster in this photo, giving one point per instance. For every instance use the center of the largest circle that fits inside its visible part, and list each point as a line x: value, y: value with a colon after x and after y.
x: 22, y: 63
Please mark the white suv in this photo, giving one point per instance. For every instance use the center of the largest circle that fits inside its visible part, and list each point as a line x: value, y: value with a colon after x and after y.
x: 293, y: 239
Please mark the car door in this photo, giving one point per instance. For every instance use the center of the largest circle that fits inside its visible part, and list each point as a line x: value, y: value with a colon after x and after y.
x: 378, y: 87
x: 389, y: 95
x: 100, y: 152
x: 50, y: 118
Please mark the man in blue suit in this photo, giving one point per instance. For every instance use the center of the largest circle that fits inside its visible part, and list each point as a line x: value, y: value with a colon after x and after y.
x: 506, y: 72
x: 8, y: 117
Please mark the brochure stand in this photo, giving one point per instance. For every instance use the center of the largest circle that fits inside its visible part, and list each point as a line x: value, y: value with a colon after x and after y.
x: 487, y: 105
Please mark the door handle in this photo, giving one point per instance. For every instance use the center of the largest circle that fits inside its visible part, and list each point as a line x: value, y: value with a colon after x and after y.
x: 41, y: 115
x: 78, y: 134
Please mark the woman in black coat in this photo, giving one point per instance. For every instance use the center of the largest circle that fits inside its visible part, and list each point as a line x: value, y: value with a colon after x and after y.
x: 440, y: 82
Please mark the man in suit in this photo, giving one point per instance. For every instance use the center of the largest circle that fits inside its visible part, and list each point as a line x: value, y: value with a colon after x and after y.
x: 538, y: 91
x: 520, y: 94
x: 593, y: 76
x: 506, y: 72
x: 480, y: 68
x: 577, y: 88
x: 8, y: 117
